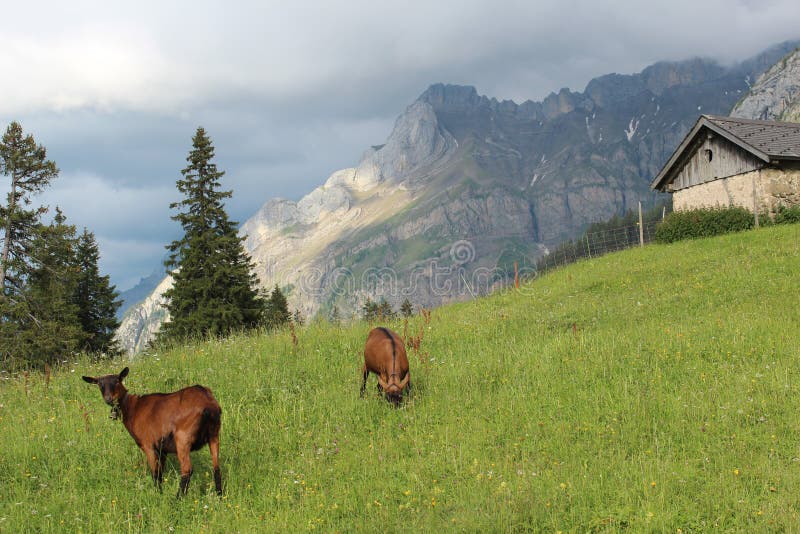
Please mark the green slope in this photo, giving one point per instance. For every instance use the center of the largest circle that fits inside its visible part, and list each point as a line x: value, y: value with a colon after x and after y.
x: 654, y: 389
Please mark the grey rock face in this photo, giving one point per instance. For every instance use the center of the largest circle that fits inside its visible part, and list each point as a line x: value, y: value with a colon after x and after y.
x: 416, y: 142
x: 142, y: 321
x: 775, y: 94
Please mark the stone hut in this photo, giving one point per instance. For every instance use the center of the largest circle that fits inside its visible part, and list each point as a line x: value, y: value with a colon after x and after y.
x: 725, y: 161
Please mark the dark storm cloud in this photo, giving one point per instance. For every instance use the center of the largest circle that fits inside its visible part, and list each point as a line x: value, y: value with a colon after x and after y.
x: 292, y: 92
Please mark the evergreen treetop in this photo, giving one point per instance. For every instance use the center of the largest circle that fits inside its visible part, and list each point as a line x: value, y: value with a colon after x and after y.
x: 276, y: 310
x: 25, y: 163
x: 213, y: 290
x: 406, y: 308
x: 44, y: 318
x: 97, y: 299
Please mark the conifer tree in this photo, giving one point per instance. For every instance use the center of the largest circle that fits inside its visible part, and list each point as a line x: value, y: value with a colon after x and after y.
x: 213, y: 290
x: 406, y: 308
x: 384, y: 310
x: 276, y: 310
x: 46, y: 318
x: 96, y: 298
x: 369, y: 310
x: 30, y: 172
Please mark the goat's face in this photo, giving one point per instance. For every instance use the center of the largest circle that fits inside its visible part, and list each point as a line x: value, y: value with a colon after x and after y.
x: 111, y: 388
x: 392, y: 391
x: 394, y: 396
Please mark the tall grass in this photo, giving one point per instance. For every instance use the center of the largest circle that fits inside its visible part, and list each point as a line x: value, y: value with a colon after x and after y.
x: 653, y: 389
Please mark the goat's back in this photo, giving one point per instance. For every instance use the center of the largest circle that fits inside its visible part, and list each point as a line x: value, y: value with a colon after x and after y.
x: 192, y: 411
x: 385, y: 351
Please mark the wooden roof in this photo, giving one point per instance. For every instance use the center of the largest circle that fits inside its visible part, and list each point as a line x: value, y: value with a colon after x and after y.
x: 769, y: 141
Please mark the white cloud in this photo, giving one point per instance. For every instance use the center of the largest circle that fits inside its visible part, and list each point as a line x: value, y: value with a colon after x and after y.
x: 178, y: 56
x: 109, y: 209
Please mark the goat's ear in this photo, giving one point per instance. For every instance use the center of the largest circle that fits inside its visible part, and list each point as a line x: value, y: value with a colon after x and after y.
x: 123, y: 373
x: 89, y: 379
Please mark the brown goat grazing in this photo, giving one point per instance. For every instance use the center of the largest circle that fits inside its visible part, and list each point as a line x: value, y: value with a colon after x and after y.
x: 162, y: 423
x: 385, y: 355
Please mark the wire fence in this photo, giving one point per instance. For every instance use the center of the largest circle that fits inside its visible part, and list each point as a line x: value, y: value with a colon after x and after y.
x: 594, y: 244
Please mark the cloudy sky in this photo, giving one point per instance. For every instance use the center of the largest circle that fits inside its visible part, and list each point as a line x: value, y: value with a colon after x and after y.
x: 290, y: 92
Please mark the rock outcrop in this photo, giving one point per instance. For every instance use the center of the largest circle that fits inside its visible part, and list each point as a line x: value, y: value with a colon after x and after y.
x: 142, y: 321
x: 776, y: 93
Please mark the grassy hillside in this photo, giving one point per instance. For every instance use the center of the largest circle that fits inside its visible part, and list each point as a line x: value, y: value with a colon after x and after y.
x: 654, y: 389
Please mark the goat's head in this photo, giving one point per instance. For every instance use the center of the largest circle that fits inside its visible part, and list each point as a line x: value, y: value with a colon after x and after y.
x: 393, y: 390
x: 111, y: 388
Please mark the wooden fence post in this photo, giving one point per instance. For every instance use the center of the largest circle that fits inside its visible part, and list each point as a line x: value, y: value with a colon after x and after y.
x: 641, y: 226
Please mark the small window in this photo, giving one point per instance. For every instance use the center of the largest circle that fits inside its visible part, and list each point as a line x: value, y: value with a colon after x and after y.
x: 709, y: 154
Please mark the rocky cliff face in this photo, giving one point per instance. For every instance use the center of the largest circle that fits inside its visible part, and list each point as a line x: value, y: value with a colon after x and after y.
x: 142, y: 321
x: 776, y: 93
x: 467, y: 185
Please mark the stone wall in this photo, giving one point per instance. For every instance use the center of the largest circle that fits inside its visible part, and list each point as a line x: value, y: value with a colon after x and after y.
x: 772, y: 187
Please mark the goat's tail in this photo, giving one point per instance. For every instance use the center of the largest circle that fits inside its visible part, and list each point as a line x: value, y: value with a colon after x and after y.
x: 212, y: 420
x: 210, y: 424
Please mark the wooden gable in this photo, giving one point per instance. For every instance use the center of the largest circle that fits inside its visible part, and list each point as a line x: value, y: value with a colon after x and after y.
x: 712, y: 157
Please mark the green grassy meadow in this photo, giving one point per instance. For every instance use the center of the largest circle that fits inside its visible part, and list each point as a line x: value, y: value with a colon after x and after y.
x: 655, y: 390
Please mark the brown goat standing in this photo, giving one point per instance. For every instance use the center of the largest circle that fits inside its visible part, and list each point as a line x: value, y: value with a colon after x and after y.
x: 162, y: 423
x: 385, y: 355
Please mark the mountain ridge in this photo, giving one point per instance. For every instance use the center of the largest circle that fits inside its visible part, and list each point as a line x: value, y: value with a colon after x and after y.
x: 466, y: 185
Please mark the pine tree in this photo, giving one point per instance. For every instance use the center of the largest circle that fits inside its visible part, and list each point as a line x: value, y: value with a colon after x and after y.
x: 46, y: 320
x: 406, y: 308
x: 384, y: 310
x: 213, y: 290
x: 276, y: 310
x: 30, y: 172
x: 369, y: 310
x: 96, y: 298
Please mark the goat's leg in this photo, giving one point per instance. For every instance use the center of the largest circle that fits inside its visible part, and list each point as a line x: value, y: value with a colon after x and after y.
x: 162, y: 456
x: 364, y: 381
x: 183, y: 446
x: 155, y: 464
x: 213, y: 446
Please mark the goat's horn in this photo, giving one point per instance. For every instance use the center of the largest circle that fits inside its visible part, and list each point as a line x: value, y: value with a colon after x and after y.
x: 382, y: 384
x: 404, y: 381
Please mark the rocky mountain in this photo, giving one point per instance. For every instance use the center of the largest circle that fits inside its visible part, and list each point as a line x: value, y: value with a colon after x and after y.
x: 141, y: 321
x: 139, y: 292
x: 776, y: 93
x: 466, y: 185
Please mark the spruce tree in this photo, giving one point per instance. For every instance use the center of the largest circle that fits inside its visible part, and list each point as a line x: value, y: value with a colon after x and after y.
x: 213, y: 290
x: 96, y: 298
x: 406, y: 308
x: 276, y: 310
x: 30, y: 172
x: 384, y: 310
x: 48, y: 328
x: 369, y: 310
